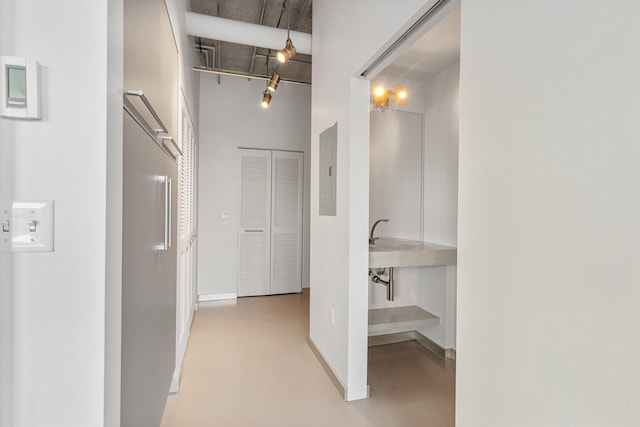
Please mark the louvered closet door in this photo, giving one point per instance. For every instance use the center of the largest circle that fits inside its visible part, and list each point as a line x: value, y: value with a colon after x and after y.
x: 254, y: 234
x: 286, y: 222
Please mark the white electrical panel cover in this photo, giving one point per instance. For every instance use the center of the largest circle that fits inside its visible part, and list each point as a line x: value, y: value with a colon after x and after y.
x: 327, y: 180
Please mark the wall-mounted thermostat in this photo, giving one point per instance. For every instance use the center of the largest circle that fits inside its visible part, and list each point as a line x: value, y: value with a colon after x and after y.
x: 19, y: 90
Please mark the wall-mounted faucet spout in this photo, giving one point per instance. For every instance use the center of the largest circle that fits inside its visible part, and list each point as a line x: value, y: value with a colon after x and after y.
x: 373, y: 229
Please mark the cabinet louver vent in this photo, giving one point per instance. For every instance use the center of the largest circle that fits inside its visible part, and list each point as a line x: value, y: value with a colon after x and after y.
x: 187, y: 175
x: 286, y: 263
x: 287, y: 200
x: 254, y: 192
x: 254, y: 257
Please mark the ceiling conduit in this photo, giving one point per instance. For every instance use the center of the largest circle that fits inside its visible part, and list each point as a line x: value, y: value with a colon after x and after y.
x: 216, y: 28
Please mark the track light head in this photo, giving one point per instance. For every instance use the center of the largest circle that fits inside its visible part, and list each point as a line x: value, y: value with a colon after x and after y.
x: 266, y: 99
x: 273, y: 83
x: 287, y: 53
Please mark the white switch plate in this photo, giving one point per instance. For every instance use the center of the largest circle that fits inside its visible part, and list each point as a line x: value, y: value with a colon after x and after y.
x: 30, y: 224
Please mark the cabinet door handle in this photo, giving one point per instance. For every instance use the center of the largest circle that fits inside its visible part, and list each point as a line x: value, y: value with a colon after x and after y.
x: 145, y: 101
x: 167, y: 217
x: 166, y: 229
x: 175, y: 149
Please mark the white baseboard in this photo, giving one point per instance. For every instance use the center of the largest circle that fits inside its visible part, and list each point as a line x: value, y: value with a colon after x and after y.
x: 329, y: 370
x: 217, y: 297
x: 181, y: 349
x: 175, y: 381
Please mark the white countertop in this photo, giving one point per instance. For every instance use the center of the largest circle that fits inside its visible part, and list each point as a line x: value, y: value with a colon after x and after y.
x: 393, y: 252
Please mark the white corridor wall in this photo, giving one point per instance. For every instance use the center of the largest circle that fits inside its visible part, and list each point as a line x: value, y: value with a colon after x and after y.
x: 231, y: 117
x: 549, y: 229
x: 59, y: 297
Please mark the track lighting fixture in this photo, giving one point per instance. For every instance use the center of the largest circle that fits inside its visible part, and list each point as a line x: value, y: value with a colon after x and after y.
x: 271, y: 86
x: 289, y: 49
x: 273, y: 83
x: 288, y: 52
x: 266, y: 99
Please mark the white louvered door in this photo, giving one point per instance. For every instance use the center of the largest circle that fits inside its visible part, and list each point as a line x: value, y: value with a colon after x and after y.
x: 270, y: 225
x: 286, y: 222
x: 254, y: 234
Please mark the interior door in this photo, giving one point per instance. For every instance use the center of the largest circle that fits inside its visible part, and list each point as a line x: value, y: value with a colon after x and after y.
x: 286, y: 222
x: 254, y: 232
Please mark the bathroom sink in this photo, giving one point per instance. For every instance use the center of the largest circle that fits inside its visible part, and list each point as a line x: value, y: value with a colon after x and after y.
x: 393, y: 252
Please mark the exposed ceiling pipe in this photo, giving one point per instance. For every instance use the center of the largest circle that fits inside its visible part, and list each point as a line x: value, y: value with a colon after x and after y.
x: 248, y: 76
x: 208, y: 51
x: 301, y: 61
x: 255, y: 48
x: 216, y: 28
x: 218, y: 64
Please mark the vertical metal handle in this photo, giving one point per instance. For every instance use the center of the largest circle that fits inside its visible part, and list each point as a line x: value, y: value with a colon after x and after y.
x: 167, y: 213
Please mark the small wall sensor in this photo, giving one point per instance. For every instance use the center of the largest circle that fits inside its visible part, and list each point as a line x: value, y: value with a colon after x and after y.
x: 19, y: 93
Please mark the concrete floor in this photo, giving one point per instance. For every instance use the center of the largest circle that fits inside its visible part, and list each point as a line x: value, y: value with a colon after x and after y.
x: 248, y: 364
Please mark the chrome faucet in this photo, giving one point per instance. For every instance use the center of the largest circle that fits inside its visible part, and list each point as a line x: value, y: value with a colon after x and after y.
x: 373, y: 228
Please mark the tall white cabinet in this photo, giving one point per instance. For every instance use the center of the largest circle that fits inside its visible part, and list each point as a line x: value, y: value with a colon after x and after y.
x: 270, y: 225
x: 149, y: 213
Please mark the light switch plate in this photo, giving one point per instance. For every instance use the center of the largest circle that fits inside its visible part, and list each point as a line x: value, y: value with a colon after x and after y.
x: 5, y: 222
x: 30, y: 224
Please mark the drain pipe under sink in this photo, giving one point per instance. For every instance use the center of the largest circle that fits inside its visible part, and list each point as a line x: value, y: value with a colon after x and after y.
x: 387, y: 283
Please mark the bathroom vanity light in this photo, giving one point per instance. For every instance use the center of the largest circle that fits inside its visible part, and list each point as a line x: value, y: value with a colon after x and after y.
x: 381, y: 95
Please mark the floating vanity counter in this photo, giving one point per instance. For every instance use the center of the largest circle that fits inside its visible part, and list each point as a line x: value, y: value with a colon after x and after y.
x: 392, y: 252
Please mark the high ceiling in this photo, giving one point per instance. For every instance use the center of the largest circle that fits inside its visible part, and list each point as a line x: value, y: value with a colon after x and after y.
x: 250, y: 59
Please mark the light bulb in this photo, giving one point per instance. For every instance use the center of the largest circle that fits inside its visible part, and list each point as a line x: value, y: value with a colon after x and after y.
x: 287, y: 53
x: 402, y: 94
x: 266, y: 99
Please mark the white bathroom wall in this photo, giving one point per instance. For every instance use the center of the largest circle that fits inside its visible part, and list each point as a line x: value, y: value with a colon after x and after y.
x: 395, y: 175
x: 437, y: 285
x: 339, y: 251
x: 231, y: 117
x: 549, y: 235
x: 441, y: 129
